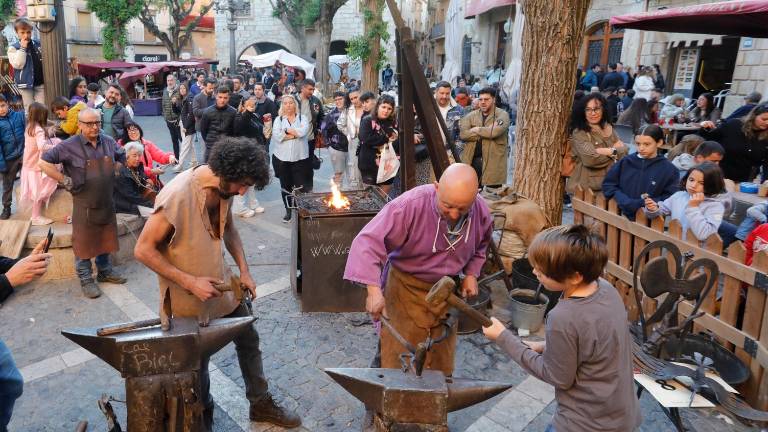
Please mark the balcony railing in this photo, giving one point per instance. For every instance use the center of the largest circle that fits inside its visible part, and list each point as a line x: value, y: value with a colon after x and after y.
x: 438, y: 31
x: 85, y: 34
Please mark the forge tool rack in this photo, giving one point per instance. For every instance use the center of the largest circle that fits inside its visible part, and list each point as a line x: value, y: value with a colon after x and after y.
x: 320, y: 242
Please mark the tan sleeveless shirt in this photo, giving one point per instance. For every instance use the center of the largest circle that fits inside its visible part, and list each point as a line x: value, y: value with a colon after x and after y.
x: 194, y: 247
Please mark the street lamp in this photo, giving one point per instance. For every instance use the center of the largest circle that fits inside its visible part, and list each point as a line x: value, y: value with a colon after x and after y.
x: 233, y: 7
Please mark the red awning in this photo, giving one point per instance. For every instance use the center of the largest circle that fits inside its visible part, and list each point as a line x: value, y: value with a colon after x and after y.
x: 733, y: 18
x: 129, y: 78
x: 206, y: 22
x: 477, y: 7
x: 98, y: 70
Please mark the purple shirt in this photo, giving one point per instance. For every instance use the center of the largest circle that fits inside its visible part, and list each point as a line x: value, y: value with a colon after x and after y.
x: 410, y: 233
x: 69, y: 153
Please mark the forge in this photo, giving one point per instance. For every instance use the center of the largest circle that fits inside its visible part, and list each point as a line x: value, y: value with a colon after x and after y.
x: 321, y: 237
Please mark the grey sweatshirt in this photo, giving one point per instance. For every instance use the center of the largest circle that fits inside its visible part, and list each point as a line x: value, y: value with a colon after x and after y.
x: 588, y: 358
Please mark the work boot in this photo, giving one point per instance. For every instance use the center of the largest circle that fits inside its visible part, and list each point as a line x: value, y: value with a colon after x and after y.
x: 267, y: 410
x: 90, y: 289
x: 111, y: 277
x: 6, y: 214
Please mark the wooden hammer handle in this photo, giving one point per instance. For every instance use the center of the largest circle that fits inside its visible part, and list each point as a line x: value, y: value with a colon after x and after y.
x: 469, y: 311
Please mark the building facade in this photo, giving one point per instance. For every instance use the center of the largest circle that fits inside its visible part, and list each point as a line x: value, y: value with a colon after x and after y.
x: 84, y: 36
x: 258, y: 31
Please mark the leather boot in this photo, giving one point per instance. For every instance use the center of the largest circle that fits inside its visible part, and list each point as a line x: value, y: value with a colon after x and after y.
x: 267, y: 410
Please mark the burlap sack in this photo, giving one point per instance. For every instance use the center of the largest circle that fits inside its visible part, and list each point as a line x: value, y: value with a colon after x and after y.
x: 523, y: 216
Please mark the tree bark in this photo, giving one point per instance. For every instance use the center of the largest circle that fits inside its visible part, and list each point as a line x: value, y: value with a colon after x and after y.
x: 551, y: 40
x: 324, y: 29
x: 370, y: 74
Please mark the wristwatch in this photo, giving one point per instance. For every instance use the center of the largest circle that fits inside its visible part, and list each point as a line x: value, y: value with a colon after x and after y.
x: 67, y: 183
x: 614, y: 152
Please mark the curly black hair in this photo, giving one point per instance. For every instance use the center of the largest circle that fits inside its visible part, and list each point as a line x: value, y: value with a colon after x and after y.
x: 237, y: 159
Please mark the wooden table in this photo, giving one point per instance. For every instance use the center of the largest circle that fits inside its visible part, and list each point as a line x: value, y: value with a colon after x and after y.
x: 674, y: 128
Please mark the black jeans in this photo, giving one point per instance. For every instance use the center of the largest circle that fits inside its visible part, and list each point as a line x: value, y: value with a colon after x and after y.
x: 175, y: 130
x: 249, y: 357
x: 292, y: 175
x: 9, y: 176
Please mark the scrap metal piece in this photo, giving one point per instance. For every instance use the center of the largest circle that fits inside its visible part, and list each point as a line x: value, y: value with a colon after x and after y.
x: 404, y: 401
x: 162, y: 368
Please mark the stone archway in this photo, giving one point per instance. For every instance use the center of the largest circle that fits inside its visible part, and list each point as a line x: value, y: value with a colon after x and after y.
x: 338, y: 47
x: 261, y: 48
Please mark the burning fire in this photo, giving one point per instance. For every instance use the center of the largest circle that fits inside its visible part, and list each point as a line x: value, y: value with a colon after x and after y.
x: 337, y: 200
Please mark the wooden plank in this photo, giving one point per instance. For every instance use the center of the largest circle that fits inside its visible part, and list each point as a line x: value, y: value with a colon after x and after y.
x: 612, y: 239
x: 754, y: 309
x: 13, y: 235
x: 737, y: 270
x: 714, y: 244
x: 729, y: 304
x: 578, y: 217
x: 407, y: 121
x: 657, y: 224
x: 641, y: 219
x: 601, y: 202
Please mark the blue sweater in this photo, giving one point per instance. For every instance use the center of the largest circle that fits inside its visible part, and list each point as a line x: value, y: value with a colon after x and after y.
x: 11, y: 137
x: 632, y: 176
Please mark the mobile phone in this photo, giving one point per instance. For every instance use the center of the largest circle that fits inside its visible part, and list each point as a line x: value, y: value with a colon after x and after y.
x: 48, y: 240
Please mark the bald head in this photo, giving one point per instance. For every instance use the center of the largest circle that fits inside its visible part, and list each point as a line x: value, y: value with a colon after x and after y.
x: 456, y: 191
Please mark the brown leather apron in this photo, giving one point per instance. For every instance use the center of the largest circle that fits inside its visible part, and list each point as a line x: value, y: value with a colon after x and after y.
x: 414, y: 319
x: 94, y: 224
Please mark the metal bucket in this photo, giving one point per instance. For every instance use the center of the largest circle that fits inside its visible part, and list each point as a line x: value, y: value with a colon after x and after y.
x: 479, y: 303
x: 523, y: 278
x: 526, y: 315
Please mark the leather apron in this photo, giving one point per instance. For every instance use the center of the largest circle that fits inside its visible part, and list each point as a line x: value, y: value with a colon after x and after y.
x: 414, y: 319
x: 94, y: 224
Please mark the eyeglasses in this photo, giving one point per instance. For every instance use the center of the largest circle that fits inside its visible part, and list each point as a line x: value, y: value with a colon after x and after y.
x: 593, y: 110
x: 91, y: 124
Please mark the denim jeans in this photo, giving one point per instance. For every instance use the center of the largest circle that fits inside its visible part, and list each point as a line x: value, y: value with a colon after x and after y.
x: 249, y: 357
x: 746, y: 227
x: 11, y: 386
x: 727, y: 232
x: 84, y: 268
x: 550, y: 428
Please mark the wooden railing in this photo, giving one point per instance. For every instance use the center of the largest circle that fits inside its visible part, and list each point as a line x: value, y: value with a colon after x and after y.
x: 741, y: 328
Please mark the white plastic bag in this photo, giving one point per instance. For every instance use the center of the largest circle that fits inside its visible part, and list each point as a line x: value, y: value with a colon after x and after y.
x: 388, y: 164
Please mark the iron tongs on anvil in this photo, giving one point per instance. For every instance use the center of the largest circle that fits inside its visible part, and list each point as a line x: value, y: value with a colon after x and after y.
x: 414, y: 399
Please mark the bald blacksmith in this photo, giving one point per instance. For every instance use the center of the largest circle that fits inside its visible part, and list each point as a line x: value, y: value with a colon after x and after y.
x: 428, y: 232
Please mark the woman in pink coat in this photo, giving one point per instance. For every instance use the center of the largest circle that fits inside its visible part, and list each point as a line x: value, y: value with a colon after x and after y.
x: 36, y: 187
x: 152, y: 153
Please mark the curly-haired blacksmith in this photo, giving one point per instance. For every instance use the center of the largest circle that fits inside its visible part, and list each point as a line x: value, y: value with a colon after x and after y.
x: 183, y: 241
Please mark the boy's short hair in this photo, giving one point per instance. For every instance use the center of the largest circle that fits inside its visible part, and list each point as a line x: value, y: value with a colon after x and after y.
x: 22, y: 23
x: 93, y: 87
x: 60, y: 102
x: 706, y: 148
x: 562, y: 251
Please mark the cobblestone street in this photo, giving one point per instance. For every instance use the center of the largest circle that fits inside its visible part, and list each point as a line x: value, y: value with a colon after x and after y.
x: 63, y: 382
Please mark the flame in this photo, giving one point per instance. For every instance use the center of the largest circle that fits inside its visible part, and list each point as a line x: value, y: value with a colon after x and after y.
x: 337, y: 200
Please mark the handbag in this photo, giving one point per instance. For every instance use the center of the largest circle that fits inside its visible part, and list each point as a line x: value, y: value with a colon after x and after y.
x: 569, y: 164
x: 389, y: 163
x: 421, y: 152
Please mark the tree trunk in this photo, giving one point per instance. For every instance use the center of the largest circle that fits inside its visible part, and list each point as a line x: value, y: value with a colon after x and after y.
x: 117, y: 47
x: 551, y: 41
x: 325, y: 28
x: 370, y: 75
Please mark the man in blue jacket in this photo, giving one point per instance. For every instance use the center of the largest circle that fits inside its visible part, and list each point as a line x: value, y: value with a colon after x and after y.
x: 27, y: 62
x: 12, y: 143
x: 643, y: 173
x: 590, y: 78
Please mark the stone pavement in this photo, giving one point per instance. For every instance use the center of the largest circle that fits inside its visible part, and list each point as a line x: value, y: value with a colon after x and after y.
x: 63, y: 381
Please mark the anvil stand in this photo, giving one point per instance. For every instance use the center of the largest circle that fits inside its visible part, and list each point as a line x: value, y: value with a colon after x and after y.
x: 413, y: 399
x: 161, y: 367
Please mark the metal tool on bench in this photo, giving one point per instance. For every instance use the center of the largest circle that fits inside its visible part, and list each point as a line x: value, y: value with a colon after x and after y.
x: 413, y: 399
x: 161, y: 368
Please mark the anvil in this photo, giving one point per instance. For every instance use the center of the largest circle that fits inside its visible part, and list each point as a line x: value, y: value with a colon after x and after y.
x: 162, y: 368
x: 406, y: 402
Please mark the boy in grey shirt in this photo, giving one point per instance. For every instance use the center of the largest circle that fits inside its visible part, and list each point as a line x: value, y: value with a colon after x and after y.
x: 587, y: 355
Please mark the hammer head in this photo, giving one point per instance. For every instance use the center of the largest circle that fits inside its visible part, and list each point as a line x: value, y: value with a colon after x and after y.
x: 441, y: 291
